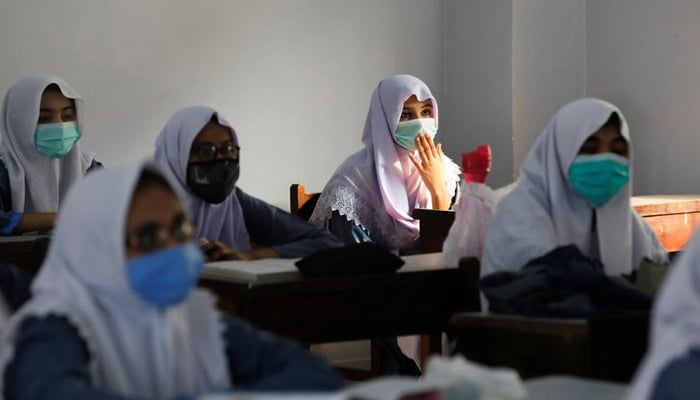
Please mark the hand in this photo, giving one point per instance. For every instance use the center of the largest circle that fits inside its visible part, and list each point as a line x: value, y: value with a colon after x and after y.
x: 217, y: 251
x: 431, y: 167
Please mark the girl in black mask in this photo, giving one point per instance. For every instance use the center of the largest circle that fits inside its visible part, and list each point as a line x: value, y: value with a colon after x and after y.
x: 201, y: 150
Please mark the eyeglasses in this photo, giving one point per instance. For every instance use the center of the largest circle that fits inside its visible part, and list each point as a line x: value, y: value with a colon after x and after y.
x: 208, y: 151
x: 153, y: 236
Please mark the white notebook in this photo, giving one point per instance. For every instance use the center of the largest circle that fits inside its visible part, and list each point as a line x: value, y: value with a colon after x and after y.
x: 259, y: 271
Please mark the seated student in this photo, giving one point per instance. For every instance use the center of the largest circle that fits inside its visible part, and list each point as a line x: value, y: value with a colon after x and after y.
x: 40, y: 150
x: 574, y: 188
x: 671, y: 367
x: 114, y: 312
x: 373, y: 193
x: 201, y: 149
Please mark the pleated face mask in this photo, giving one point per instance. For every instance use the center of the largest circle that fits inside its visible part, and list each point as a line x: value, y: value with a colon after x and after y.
x: 407, y: 131
x: 57, y: 139
x: 599, y: 177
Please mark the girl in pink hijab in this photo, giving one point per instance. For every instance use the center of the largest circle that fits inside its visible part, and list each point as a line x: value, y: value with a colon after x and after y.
x: 372, y: 195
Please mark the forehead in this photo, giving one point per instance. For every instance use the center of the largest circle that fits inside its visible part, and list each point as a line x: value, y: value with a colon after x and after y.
x: 153, y: 204
x: 413, y: 102
x: 214, y: 133
x: 54, y: 99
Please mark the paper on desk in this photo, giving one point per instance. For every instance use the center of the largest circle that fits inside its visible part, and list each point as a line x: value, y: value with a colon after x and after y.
x: 251, y: 271
x: 275, y: 396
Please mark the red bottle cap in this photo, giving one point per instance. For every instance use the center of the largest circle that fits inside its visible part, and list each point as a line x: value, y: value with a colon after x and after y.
x: 477, y: 164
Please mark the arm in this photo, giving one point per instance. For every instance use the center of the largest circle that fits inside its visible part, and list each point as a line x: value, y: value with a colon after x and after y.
x: 35, y: 222
x: 348, y: 232
x: 679, y: 379
x: 258, y: 361
x: 281, y: 232
x: 50, y: 362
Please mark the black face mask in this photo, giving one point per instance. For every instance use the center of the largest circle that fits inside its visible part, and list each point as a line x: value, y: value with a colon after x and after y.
x: 213, y: 181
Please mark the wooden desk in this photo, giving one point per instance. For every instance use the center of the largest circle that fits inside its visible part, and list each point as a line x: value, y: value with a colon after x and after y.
x: 674, y: 218
x: 573, y: 388
x: 26, y: 252
x: 608, y: 348
x: 418, y: 299
x: 434, y: 227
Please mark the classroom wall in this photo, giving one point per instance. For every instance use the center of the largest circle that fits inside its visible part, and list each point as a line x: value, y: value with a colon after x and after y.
x: 644, y: 56
x: 476, y: 106
x: 549, y: 65
x: 293, y: 77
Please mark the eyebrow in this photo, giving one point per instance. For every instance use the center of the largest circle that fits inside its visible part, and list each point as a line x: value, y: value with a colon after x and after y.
x: 53, y: 109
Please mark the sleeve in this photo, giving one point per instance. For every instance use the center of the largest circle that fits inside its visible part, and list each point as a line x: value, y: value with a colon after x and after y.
x: 259, y: 361
x: 51, y: 362
x: 288, y: 235
x: 8, y: 219
x: 679, y: 380
x: 348, y: 232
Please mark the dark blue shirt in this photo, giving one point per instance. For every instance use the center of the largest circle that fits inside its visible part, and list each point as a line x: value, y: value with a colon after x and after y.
x: 8, y: 218
x: 289, y: 236
x: 679, y: 379
x: 51, y: 361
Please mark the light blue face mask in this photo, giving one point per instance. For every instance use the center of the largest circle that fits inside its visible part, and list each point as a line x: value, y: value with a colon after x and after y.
x: 407, y: 131
x: 57, y: 139
x: 166, y: 277
x: 599, y: 177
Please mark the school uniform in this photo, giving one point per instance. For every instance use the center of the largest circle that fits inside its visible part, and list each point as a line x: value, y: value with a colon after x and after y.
x: 544, y: 212
x: 372, y: 195
x: 31, y: 182
x: 89, y: 333
x: 672, y: 364
x: 240, y: 219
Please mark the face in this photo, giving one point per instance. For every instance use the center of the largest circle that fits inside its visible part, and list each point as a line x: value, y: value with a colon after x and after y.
x: 214, y: 141
x: 414, y: 109
x: 156, y: 221
x: 607, y: 139
x: 56, y: 108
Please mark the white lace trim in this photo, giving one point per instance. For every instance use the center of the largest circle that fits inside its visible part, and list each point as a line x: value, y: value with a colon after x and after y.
x: 370, y: 217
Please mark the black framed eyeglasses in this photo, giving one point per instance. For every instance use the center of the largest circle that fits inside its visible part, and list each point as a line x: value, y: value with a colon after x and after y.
x: 152, y: 235
x: 209, y: 151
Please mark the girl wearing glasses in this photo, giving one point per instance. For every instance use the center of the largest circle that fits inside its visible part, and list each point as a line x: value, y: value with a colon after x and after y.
x: 114, y: 312
x: 41, y: 154
x: 201, y: 150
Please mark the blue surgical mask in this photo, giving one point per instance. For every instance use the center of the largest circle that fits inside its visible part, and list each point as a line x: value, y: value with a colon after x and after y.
x: 166, y: 277
x: 599, y: 177
x: 407, y: 131
x: 56, y: 140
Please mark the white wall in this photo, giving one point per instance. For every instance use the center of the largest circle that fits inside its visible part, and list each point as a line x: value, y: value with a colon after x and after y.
x: 644, y: 56
x: 476, y: 106
x: 549, y: 59
x: 293, y: 77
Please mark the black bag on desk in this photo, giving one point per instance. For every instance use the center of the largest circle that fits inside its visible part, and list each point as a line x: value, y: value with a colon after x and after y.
x: 562, y: 283
x: 354, y: 259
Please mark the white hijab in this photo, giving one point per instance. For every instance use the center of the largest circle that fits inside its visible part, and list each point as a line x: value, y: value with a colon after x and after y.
x: 38, y: 183
x: 675, y: 326
x: 136, y: 350
x: 378, y: 187
x: 544, y: 212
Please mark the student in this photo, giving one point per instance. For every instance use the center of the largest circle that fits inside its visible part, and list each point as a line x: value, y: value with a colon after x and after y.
x: 671, y: 367
x: 574, y: 188
x: 115, y: 315
x: 201, y: 149
x: 41, y: 154
x: 372, y: 195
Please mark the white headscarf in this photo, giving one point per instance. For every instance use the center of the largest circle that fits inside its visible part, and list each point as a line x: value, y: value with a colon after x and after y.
x: 675, y: 326
x: 544, y: 211
x: 223, y: 221
x: 136, y: 350
x: 37, y: 182
x: 378, y: 187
